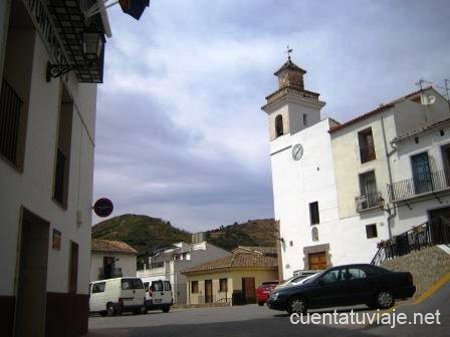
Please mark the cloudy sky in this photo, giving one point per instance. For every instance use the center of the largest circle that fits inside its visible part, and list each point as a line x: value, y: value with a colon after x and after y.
x: 180, y: 133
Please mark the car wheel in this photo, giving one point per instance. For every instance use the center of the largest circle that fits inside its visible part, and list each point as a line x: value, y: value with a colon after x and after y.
x: 144, y: 310
x: 297, y: 305
x: 165, y: 309
x: 384, y: 299
x: 110, y: 310
x: 260, y: 304
x: 136, y: 311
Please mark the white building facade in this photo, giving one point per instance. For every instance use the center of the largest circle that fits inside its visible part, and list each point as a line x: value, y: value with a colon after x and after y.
x: 47, y: 131
x: 169, y: 263
x: 110, y: 259
x: 331, y: 181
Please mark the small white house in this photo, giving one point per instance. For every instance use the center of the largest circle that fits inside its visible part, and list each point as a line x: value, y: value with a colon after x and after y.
x: 110, y: 259
x: 169, y: 263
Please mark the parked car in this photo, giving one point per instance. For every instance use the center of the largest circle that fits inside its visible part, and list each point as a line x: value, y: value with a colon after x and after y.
x: 345, y: 286
x: 158, y: 295
x: 114, y: 296
x: 297, y: 279
x: 263, y: 291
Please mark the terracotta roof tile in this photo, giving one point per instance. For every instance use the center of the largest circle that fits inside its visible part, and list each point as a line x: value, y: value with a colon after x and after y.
x: 422, y: 129
x: 237, y: 260
x: 108, y: 246
x: 376, y: 111
x: 262, y: 250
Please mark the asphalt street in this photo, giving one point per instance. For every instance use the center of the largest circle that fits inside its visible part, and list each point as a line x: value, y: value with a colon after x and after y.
x: 251, y: 320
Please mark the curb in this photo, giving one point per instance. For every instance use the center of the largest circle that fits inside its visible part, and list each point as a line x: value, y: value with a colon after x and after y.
x: 435, y: 287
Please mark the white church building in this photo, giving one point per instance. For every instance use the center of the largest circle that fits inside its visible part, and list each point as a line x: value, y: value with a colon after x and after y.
x: 339, y: 189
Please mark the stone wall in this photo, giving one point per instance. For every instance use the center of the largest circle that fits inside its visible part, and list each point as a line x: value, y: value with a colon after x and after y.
x: 427, y: 266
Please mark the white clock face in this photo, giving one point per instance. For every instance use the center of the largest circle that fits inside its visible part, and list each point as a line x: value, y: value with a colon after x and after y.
x: 297, y: 152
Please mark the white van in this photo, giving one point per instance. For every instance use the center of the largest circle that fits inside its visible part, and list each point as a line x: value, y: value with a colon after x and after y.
x: 158, y: 294
x: 114, y: 296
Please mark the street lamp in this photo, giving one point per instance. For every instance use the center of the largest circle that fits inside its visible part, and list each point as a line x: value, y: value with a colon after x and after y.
x: 93, y: 42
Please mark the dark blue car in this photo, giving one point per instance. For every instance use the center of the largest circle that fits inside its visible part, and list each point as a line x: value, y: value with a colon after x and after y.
x: 345, y: 286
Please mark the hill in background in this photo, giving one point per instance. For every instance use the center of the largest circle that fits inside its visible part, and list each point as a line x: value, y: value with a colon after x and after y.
x: 251, y: 233
x: 147, y: 234
x: 143, y: 233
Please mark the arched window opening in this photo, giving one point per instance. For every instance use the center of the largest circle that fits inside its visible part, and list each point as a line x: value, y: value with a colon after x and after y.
x: 279, y: 126
x: 315, y: 234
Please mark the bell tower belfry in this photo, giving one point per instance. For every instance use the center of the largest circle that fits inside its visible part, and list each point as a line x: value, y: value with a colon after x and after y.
x: 291, y: 108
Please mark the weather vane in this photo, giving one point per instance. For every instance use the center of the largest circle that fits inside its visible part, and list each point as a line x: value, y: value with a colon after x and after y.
x: 289, y: 52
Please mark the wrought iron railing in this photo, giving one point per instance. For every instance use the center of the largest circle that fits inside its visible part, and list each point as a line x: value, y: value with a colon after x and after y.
x: 104, y: 274
x: 369, y: 201
x: 434, y: 232
x: 424, y: 183
x: 10, y: 106
x: 156, y: 265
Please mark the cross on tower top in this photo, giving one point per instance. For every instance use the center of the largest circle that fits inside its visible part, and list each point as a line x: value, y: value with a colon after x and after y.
x: 289, y: 52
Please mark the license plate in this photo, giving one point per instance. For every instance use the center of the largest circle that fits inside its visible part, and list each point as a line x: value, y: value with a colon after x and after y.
x: 157, y: 301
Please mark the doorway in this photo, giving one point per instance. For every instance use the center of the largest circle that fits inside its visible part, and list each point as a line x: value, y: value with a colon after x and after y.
x: 208, y: 291
x: 317, y: 261
x: 421, y: 173
x: 31, y: 292
x: 248, y: 289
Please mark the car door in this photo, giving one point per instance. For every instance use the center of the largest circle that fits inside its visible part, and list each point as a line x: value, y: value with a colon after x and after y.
x: 167, y: 297
x: 328, y: 290
x: 96, y: 301
x: 158, y: 292
x: 358, y: 286
x: 132, y: 291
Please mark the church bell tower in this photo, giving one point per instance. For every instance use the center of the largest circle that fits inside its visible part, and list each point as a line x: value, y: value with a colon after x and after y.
x: 291, y: 108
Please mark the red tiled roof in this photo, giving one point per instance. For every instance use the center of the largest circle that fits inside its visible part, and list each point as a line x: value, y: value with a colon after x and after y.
x: 238, y: 260
x: 376, y: 111
x: 262, y: 250
x: 108, y: 246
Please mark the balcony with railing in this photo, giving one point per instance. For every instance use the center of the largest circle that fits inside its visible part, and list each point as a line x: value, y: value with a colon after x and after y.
x: 105, y: 274
x: 422, y: 185
x: 369, y: 202
x: 154, y: 265
x: 10, y: 106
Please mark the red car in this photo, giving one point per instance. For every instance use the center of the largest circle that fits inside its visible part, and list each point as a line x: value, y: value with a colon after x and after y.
x: 263, y: 291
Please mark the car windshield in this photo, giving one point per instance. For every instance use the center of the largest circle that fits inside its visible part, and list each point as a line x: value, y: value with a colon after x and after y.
x: 303, y: 279
x: 289, y: 280
x: 314, y: 277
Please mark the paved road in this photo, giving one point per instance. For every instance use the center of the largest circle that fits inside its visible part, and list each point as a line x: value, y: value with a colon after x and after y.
x: 249, y: 320
x: 252, y: 320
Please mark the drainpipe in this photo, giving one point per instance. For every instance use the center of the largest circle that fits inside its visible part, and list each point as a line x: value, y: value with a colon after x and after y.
x: 391, y: 211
